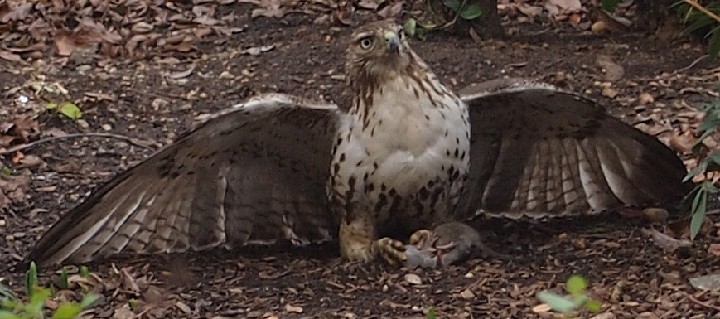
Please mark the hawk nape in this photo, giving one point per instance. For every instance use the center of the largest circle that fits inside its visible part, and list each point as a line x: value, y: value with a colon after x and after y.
x: 405, y: 152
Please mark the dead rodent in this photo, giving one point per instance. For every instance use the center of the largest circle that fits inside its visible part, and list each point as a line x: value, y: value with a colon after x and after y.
x: 450, y: 243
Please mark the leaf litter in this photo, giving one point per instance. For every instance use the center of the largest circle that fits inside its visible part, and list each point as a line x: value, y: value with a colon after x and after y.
x: 115, y: 65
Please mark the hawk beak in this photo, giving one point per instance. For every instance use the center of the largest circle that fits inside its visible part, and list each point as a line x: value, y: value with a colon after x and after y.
x: 393, y: 41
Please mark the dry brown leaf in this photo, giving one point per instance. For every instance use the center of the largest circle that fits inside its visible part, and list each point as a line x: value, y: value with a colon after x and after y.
x: 682, y: 143
x: 613, y: 71
x: 65, y: 44
x: 12, y: 189
x: 664, y: 241
x: 531, y: 11
x: 293, y: 309
x: 714, y: 249
x: 30, y: 161
x: 7, y: 55
x: 128, y: 281
x: 370, y: 4
x: 567, y: 5
x: 392, y: 11
x: 269, y: 8
x: 413, y: 279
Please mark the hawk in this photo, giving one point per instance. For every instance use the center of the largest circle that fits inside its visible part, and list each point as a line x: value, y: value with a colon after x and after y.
x: 402, y: 154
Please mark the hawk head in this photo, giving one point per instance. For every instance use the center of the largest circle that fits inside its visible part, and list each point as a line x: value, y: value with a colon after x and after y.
x: 377, y: 52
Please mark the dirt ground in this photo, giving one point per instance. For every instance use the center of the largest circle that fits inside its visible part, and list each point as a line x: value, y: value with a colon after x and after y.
x: 152, y: 99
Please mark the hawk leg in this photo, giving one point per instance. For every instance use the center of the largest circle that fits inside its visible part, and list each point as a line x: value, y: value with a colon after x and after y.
x: 357, y: 243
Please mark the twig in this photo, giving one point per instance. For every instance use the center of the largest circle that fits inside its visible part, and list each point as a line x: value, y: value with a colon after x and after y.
x: 691, y: 65
x: 699, y: 7
x: 702, y: 303
x: 666, y: 76
x: 128, y: 139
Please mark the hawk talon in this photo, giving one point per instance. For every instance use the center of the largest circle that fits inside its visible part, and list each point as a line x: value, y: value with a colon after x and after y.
x: 391, y: 250
x: 422, y: 238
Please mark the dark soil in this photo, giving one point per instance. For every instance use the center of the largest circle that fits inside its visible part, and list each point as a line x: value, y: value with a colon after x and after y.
x: 151, y: 100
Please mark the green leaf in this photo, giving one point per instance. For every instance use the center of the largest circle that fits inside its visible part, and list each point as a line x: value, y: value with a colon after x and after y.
x: 593, y: 306
x: 697, y: 170
x: 556, y: 302
x: 31, y: 279
x: 84, y: 271
x: 700, y: 22
x: 70, y: 110
x: 609, y: 5
x: 576, y: 285
x: 88, y: 300
x: 454, y: 5
x: 5, y: 292
x: 37, y: 302
x: 8, y: 315
x: 699, y: 208
x: 472, y: 11
x: 133, y: 304
x: 714, y: 43
x: 6, y: 171
x: 51, y: 106
x: 63, y: 279
x: 431, y: 313
x: 409, y: 27
x: 67, y: 310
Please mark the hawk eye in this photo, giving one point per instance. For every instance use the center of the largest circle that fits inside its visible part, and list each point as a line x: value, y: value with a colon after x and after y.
x: 366, y: 43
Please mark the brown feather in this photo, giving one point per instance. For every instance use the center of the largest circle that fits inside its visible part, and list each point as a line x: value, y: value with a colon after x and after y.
x: 539, y: 151
x: 252, y: 174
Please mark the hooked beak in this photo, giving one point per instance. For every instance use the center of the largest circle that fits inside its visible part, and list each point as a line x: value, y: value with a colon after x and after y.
x: 393, y: 41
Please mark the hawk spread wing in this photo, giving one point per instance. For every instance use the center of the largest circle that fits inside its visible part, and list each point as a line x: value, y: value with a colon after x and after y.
x: 253, y: 174
x: 540, y: 151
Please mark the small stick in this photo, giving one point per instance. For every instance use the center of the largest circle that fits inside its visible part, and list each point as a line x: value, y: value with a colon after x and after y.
x: 702, y: 303
x: 128, y: 139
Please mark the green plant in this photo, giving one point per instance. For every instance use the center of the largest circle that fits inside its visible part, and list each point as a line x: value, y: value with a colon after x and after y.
x: 708, y: 162
x: 700, y: 18
x: 467, y: 10
x: 68, y: 109
x: 610, y: 5
x: 576, y: 298
x: 464, y: 9
x: 84, y: 271
x: 13, y: 307
x: 31, y: 281
x: 64, y: 282
x: 431, y: 314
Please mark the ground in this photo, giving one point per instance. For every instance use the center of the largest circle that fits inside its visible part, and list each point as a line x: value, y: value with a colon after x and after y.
x: 659, y: 87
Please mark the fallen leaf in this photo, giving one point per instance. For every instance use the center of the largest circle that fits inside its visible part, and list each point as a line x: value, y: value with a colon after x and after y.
x: 664, y: 241
x: 542, y: 308
x: 467, y: 294
x: 567, y: 5
x: 708, y: 282
x: 413, y: 279
x: 531, y: 11
x: 392, y: 11
x: 714, y: 249
x: 255, y: 51
x: 65, y: 44
x: 646, y: 98
x: 293, y: 309
x: 7, y: 55
x: 30, y: 161
x: 613, y: 71
x: 370, y: 4
x: 128, y: 282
